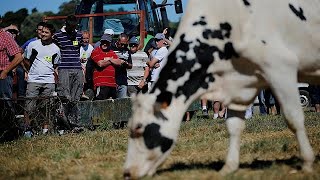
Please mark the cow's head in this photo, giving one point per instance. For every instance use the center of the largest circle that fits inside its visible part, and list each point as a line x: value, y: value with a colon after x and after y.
x: 151, y: 139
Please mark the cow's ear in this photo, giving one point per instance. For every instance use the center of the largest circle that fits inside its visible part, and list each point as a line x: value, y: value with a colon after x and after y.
x: 136, y: 131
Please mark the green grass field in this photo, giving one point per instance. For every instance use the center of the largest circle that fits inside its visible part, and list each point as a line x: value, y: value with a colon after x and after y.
x: 268, y: 151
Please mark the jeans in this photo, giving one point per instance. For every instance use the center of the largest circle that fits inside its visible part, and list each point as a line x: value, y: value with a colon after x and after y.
x: 6, y: 87
x: 22, y: 84
x: 262, y: 106
x: 122, y: 91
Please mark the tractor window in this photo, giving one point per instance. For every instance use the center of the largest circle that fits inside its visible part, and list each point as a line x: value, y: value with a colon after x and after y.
x: 127, y: 23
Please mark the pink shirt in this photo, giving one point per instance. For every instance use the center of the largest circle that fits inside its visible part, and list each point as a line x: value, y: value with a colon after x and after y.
x: 8, y: 47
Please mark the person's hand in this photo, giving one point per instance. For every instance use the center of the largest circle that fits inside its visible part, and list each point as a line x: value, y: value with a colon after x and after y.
x: 83, y: 60
x: 156, y: 65
x: 142, y: 83
x: 3, y: 74
x: 165, y: 31
x: 25, y: 76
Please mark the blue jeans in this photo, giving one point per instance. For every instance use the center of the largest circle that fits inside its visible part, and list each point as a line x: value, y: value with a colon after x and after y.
x: 262, y: 106
x: 122, y: 91
x: 22, y: 84
x: 6, y: 91
x: 6, y: 87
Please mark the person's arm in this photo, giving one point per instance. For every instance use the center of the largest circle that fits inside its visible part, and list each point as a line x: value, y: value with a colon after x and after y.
x: 127, y: 64
x: 143, y: 81
x: 152, y: 63
x: 16, y: 60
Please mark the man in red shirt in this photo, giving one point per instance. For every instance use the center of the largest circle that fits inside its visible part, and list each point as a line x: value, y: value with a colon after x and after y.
x: 8, y: 48
x: 104, y: 73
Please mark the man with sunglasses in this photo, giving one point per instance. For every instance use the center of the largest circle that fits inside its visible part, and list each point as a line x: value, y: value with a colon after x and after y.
x: 121, y: 49
x: 104, y: 77
x: 8, y: 48
x: 133, y: 44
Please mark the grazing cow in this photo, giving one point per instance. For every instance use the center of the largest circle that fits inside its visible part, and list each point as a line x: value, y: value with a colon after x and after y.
x: 228, y: 50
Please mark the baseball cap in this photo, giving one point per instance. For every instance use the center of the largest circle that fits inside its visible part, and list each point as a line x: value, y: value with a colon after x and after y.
x: 134, y: 40
x: 106, y: 37
x: 108, y: 31
x: 159, y: 36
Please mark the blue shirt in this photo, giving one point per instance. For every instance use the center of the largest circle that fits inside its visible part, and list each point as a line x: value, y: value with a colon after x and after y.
x: 24, y: 46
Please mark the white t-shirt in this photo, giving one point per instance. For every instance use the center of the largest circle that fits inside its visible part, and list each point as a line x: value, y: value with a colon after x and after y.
x: 159, y: 54
x: 42, y: 70
x: 85, y: 54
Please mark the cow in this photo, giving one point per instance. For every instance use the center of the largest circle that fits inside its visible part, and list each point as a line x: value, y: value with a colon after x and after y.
x: 228, y: 50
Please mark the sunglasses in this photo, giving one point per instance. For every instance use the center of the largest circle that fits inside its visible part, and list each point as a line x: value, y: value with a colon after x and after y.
x: 157, y: 40
x: 122, y: 44
x: 13, y: 31
x: 105, y: 42
x: 133, y: 45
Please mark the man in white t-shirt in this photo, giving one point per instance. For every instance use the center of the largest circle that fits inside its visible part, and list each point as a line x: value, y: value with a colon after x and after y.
x: 157, y: 60
x: 85, y: 53
x: 44, y: 58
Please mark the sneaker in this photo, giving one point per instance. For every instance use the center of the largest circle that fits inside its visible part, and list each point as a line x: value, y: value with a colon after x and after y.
x: 28, y: 134
x: 77, y: 130
x: 61, y: 132
x: 205, y: 113
x: 45, y: 131
x: 84, y: 97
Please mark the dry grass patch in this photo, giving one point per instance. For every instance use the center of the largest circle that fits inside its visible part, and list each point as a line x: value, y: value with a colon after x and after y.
x: 268, y: 151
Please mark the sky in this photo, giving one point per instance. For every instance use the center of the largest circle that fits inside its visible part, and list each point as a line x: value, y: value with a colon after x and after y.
x: 41, y: 5
x: 53, y: 5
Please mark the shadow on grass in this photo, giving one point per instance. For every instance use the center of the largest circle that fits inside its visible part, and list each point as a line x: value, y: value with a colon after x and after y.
x: 294, y: 162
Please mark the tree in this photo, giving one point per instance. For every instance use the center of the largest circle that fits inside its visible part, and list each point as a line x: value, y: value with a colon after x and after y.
x: 29, y: 25
x: 68, y: 8
x: 34, y: 10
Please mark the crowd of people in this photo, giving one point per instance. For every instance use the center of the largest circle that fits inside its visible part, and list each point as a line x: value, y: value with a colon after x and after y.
x: 64, y: 62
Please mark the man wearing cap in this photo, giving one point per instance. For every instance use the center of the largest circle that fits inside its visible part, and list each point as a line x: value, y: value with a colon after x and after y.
x: 107, y: 32
x: 106, y: 61
x: 157, y: 60
x: 70, y: 83
x: 133, y: 44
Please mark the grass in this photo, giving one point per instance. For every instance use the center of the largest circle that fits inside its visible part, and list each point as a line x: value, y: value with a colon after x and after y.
x: 268, y: 151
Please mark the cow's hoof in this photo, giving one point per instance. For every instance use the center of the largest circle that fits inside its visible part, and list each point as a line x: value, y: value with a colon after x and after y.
x: 307, y: 167
x: 226, y: 169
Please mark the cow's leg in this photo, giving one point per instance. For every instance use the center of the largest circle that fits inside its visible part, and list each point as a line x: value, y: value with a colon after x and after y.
x: 287, y: 93
x: 235, y: 125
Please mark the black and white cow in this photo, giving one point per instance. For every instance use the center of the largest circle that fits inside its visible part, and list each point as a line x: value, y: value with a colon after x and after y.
x: 228, y: 50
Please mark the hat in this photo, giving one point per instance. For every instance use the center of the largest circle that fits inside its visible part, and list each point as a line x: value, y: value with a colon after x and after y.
x: 134, y: 40
x: 159, y: 36
x: 106, y: 37
x: 108, y: 31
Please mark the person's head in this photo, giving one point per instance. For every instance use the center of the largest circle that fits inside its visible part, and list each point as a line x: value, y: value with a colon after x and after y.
x: 47, y: 32
x: 85, y: 37
x: 13, y: 30
x: 123, y: 40
x: 39, y: 29
x: 105, y: 42
x: 71, y: 23
x: 109, y: 32
x: 159, y: 40
x: 133, y: 44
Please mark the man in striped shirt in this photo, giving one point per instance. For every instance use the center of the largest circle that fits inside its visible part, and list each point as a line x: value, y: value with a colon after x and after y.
x: 70, y: 83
